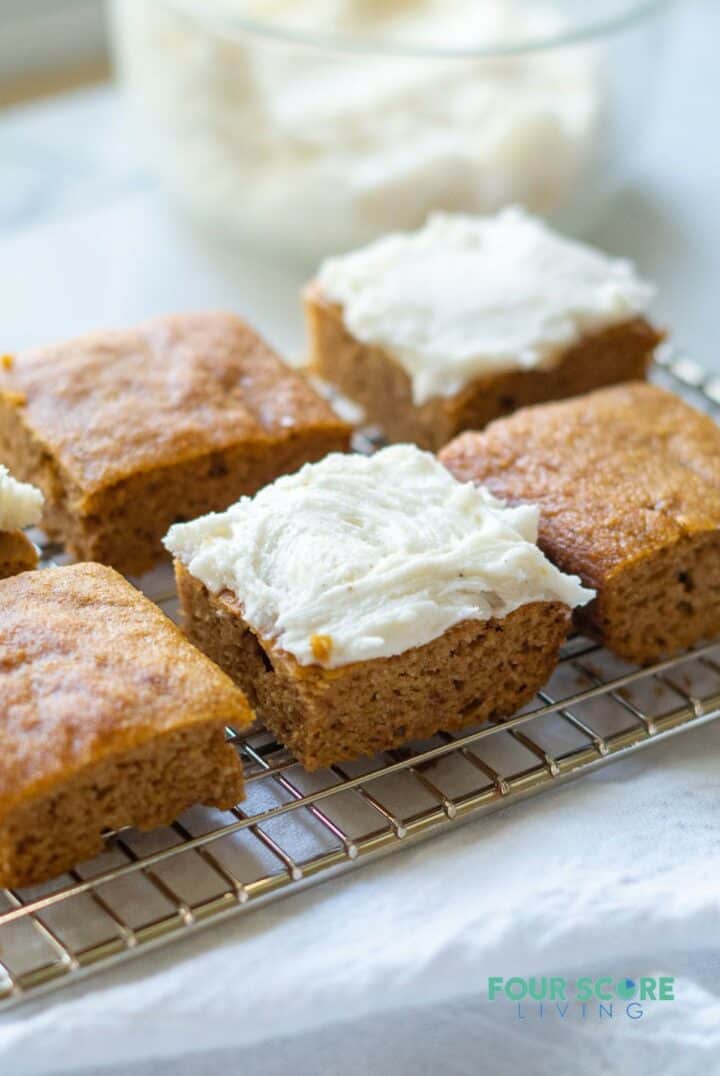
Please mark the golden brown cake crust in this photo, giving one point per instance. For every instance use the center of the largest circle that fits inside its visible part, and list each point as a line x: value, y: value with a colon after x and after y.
x: 112, y: 404
x: 128, y: 432
x: 628, y: 483
x: 91, y: 669
x: 475, y: 671
x: 17, y: 553
x: 372, y: 377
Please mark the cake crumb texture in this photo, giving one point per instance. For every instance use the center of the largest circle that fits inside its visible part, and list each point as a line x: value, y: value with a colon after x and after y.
x: 476, y: 670
x: 370, y: 375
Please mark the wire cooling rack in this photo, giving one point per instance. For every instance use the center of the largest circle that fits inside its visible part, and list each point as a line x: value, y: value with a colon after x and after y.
x: 295, y: 828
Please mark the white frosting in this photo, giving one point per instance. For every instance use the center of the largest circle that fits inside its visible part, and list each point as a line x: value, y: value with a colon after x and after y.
x: 466, y: 296
x: 319, y: 150
x: 20, y: 503
x: 378, y: 554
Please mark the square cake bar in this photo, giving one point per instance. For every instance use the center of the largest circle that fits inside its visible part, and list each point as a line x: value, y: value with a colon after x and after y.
x: 109, y: 717
x: 368, y: 601
x: 469, y: 318
x: 628, y: 484
x: 127, y: 432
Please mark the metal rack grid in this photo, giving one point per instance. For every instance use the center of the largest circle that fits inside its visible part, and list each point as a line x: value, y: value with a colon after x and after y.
x: 295, y: 828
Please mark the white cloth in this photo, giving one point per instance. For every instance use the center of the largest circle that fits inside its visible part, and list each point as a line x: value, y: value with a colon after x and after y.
x: 613, y: 874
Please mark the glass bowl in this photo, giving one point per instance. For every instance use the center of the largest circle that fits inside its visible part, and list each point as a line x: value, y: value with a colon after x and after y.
x: 312, y: 126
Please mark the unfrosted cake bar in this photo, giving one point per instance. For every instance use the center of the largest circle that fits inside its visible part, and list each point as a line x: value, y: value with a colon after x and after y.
x: 109, y: 718
x: 628, y: 484
x: 367, y: 601
x: 128, y: 432
x: 450, y: 327
x: 20, y: 507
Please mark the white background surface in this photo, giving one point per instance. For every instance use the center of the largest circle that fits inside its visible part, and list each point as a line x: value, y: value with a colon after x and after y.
x: 386, y: 969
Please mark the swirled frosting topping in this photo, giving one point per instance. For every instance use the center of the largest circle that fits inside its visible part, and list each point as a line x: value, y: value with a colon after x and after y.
x: 359, y: 557
x: 466, y: 296
x: 20, y: 503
